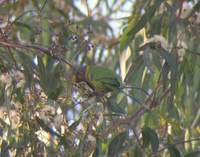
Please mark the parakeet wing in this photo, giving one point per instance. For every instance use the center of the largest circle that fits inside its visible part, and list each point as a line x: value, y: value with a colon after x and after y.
x: 103, y: 78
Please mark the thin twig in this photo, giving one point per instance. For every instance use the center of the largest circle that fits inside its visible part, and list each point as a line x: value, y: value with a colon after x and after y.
x: 177, y: 143
x: 36, y: 47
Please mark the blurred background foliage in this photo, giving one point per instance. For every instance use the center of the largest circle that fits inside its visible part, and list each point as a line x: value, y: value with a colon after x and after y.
x: 153, y: 45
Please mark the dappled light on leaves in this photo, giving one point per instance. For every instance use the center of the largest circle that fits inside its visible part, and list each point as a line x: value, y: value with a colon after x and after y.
x: 99, y: 78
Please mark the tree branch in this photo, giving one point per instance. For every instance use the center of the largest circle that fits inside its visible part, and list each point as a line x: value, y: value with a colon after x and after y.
x: 177, y: 143
x: 33, y: 48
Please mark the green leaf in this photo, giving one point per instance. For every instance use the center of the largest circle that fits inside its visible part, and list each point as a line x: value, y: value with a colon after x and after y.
x: 187, y: 145
x: 192, y: 154
x: 156, y: 25
x: 115, y: 107
x: 4, y: 149
x: 171, y: 61
x: 118, y: 144
x: 28, y: 65
x: 49, y: 79
x: 174, y: 152
x: 97, y: 151
x: 21, y: 25
x: 2, y: 93
x: 133, y: 27
x: 196, y: 7
x: 165, y: 72
x: 137, y: 152
x: 149, y: 136
x: 172, y: 23
x: 45, y: 34
x: 42, y: 72
x: 135, y: 70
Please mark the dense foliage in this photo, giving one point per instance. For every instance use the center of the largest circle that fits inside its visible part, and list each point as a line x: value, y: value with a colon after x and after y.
x: 100, y: 78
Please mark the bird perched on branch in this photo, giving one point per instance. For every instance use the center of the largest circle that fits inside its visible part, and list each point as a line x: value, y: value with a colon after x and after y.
x: 100, y: 79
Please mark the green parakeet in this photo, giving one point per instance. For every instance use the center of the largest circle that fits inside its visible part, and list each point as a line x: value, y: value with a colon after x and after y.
x: 100, y: 79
